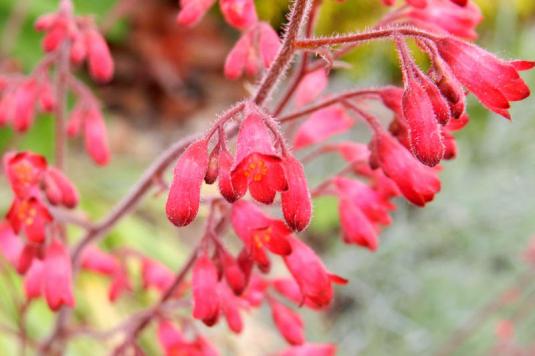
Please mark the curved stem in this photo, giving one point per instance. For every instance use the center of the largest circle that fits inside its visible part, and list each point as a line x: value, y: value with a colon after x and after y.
x: 325, y: 103
x: 363, y: 36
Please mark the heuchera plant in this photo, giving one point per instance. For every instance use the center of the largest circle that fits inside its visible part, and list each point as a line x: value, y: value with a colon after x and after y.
x: 258, y: 165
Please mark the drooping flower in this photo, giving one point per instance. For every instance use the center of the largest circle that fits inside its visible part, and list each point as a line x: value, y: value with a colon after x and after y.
x: 311, y: 86
x: 34, y: 280
x: 296, y: 201
x: 10, y: 245
x: 174, y: 343
x: 234, y: 275
x: 100, y: 61
x: 362, y: 210
x: 24, y: 101
x: 230, y: 305
x: 25, y: 171
x: 256, y: 49
x: 185, y: 192
x: 321, y: 125
x: 156, y: 275
x: 493, y: 81
x: 258, y: 166
x: 417, y: 182
x: 239, y: 13
x: 257, y: 231
x: 224, y: 177
x: 31, y: 217
x: 57, y: 276
x: 310, y: 273
x: 288, y: 322
x: 424, y: 109
x: 96, y: 260
x: 95, y: 136
x: 192, y: 11
x: 289, y: 288
x: 205, y: 295
x: 309, y: 349
x: 59, y: 189
x: 444, y: 15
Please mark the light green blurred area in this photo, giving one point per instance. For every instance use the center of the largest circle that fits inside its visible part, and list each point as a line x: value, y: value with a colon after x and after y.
x: 436, y: 266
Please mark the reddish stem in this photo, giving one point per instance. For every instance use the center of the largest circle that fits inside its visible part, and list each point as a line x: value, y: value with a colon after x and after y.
x: 363, y: 36
x: 286, y: 53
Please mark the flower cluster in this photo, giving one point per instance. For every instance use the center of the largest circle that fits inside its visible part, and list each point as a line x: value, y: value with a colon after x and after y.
x: 258, y: 45
x: 263, y: 194
x: 30, y: 238
x: 401, y: 158
x: 78, y: 39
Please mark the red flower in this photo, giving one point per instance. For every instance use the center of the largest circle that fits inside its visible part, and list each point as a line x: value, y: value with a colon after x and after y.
x: 230, y: 308
x: 310, y: 350
x: 288, y: 322
x: 235, y: 277
x: 224, y: 177
x: 98, y: 55
x: 289, y: 288
x: 156, y: 275
x: 99, y: 261
x: 296, y: 201
x: 192, y: 11
x: 10, y: 244
x: 310, y: 274
x: 239, y: 13
x: 311, y: 86
x: 444, y: 15
x: 257, y: 164
x: 25, y: 171
x: 205, y: 295
x: 257, y: 231
x: 185, y: 192
x: 58, y: 276
x: 423, y: 109
x: 33, y: 281
x: 417, y: 183
x: 95, y: 135
x: 256, y: 49
x: 31, y: 217
x: 361, y: 211
x: 321, y: 125
x: 59, y: 189
x: 24, y: 105
x: 493, y: 81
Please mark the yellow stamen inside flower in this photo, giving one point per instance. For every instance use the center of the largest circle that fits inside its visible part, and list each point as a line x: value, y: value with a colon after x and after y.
x: 256, y: 169
x: 26, y: 213
x: 262, y: 237
x: 23, y: 172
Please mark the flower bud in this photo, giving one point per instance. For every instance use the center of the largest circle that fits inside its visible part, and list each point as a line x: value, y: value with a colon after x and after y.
x: 185, y: 192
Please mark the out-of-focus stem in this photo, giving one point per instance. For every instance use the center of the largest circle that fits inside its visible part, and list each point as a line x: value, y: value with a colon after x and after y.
x: 463, y: 333
x: 145, y: 319
x: 63, y: 68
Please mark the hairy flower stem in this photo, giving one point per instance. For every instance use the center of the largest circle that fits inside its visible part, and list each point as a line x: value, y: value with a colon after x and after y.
x: 286, y: 53
x: 325, y: 103
x: 302, y: 69
x: 311, y: 43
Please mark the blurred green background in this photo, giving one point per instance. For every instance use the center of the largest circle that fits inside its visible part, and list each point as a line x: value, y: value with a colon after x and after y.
x: 436, y: 267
